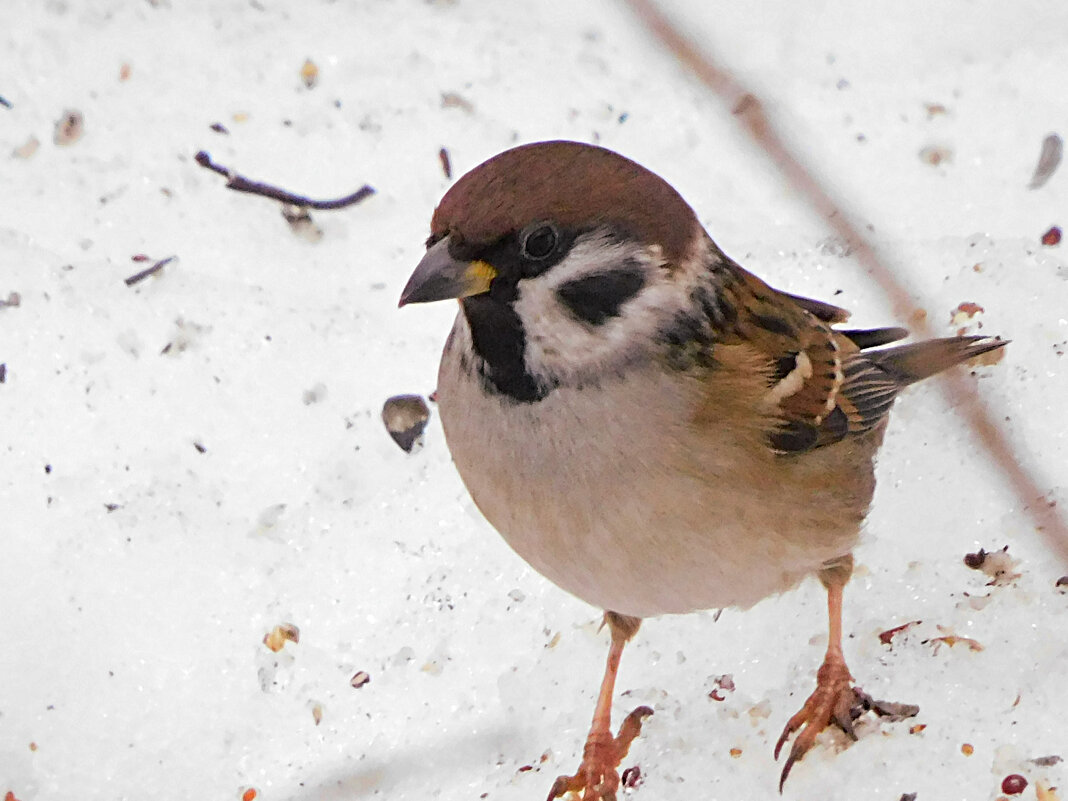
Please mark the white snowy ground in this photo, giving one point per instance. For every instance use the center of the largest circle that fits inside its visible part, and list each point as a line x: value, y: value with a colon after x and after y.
x: 132, y: 663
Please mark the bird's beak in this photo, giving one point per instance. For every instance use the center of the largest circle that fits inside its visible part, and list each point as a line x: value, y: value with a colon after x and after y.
x: 439, y: 277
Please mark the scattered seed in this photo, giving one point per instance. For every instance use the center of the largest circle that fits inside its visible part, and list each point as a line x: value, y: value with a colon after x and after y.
x: 70, y: 128
x: 1052, y: 237
x: 5, y: 103
x: 455, y: 100
x: 917, y: 728
x: 200, y: 448
x: 3, y: 372
x: 967, y: 749
x: 317, y: 713
x: 887, y: 637
x: 1048, y: 160
x: 249, y: 794
x: 1013, y: 784
x: 631, y: 777
x: 309, y: 73
x: 953, y: 639
x: 736, y: 752
x: 965, y: 313
x: 276, y: 638
x: 360, y: 678
x: 124, y: 71
x: 301, y: 223
x: 405, y: 417
x: 935, y: 155
x: 27, y: 148
x: 1044, y: 792
x: 524, y: 768
x: 446, y: 163
x: 218, y: 127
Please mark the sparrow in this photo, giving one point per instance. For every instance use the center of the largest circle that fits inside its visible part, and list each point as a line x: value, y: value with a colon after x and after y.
x: 654, y: 429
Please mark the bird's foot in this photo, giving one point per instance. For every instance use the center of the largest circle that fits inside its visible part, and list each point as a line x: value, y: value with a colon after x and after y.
x: 597, y: 778
x: 837, y: 701
x: 832, y: 700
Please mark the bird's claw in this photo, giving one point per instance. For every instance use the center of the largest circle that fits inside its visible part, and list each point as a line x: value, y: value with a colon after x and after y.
x: 597, y: 778
x: 832, y: 701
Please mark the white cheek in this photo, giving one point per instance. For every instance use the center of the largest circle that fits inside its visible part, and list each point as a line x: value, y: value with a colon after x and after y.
x: 561, y: 347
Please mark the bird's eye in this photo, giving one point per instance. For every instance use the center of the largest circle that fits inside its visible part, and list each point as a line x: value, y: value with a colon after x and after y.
x: 540, y: 242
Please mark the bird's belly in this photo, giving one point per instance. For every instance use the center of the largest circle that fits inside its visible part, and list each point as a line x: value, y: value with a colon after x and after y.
x: 621, y: 514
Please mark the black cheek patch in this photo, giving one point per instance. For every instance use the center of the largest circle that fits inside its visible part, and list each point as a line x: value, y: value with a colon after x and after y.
x: 596, y: 298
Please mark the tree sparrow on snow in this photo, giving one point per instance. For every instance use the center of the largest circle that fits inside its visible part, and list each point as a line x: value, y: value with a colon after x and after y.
x: 650, y: 426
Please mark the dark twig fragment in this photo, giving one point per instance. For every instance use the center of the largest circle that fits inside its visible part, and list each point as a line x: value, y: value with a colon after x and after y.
x: 240, y: 183
x: 145, y: 273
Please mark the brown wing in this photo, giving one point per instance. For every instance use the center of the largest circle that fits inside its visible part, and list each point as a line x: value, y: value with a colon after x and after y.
x: 824, y: 385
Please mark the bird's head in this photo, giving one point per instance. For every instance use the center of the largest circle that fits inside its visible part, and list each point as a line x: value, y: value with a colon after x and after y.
x: 567, y: 260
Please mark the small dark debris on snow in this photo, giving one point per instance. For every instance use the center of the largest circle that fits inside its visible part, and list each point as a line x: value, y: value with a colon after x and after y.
x: 200, y: 448
x: 3, y: 372
x: 446, y: 163
x: 136, y: 278
x: 1047, y: 761
x: 885, y: 709
x: 111, y: 507
x: 360, y: 678
x: 405, y: 417
x: 5, y: 102
x: 1048, y: 160
x: 13, y: 300
x: 1061, y: 583
x: 219, y: 128
x: 1052, y: 236
x: 632, y: 777
x: 996, y: 564
x: 907, y: 797
x: 724, y: 683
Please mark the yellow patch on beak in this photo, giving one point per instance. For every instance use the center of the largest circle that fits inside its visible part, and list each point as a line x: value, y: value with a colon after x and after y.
x: 477, y: 278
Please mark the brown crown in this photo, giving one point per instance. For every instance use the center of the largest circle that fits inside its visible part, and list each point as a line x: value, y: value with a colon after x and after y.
x: 576, y: 185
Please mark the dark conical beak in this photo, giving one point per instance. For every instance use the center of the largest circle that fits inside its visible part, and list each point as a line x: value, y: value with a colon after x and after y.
x: 439, y: 277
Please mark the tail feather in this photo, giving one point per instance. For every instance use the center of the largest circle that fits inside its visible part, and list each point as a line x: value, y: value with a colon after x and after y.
x: 911, y: 363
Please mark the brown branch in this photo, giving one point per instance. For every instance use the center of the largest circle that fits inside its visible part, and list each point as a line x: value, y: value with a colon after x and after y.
x: 748, y: 108
x: 240, y: 183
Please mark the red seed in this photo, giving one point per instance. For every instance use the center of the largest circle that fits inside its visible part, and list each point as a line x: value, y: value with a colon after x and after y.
x: 1013, y: 784
x: 1052, y: 236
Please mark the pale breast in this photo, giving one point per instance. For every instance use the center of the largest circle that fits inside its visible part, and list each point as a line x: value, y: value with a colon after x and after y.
x: 613, y: 494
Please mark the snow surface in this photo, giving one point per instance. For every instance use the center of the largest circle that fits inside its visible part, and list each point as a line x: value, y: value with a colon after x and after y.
x: 139, y: 575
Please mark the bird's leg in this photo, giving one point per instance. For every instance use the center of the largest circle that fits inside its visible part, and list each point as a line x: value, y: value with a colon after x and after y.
x: 597, y: 777
x: 834, y: 696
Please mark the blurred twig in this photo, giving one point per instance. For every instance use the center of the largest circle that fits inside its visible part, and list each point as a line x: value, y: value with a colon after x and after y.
x: 240, y: 183
x: 749, y: 110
